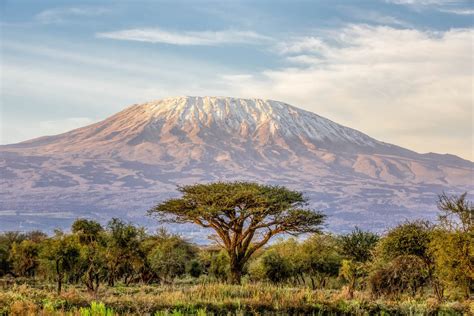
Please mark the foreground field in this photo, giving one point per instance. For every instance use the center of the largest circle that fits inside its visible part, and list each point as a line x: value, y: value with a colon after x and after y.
x: 211, y: 299
x: 416, y: 268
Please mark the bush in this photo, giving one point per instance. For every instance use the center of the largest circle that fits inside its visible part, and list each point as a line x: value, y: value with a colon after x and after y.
x: 405, y: 274
x: 276, y: 267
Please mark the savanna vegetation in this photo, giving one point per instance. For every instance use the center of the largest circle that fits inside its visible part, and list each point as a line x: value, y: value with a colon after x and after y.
x: 415, y: 268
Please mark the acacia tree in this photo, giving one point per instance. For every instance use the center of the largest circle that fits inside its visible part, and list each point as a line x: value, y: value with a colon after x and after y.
x: 243, y: 215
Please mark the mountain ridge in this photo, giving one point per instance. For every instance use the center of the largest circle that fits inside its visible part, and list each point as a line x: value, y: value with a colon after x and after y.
x: 141, y: 153
x: 40, y: 140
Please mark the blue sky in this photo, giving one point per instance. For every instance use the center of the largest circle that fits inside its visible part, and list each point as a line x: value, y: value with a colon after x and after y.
x: 398, y: 70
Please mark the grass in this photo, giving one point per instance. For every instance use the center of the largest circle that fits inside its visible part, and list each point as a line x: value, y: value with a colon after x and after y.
x: 211, y: 299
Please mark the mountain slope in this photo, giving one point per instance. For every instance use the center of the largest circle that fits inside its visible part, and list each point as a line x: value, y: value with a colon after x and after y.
x: 133, y: 159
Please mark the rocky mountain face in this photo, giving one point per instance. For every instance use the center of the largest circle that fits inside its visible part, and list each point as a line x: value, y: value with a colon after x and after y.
x: 125, y: 164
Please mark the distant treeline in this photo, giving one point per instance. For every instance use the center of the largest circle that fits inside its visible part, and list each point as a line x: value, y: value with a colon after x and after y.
x: 412, y: 258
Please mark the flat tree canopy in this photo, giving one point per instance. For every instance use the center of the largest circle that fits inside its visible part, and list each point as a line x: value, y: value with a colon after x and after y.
x: 244, y: 215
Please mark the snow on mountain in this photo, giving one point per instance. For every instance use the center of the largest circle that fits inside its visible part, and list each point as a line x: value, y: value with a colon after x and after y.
x: 123, y: 165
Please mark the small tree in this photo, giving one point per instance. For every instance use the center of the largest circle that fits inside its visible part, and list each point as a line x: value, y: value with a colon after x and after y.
x: 350, y: 271
x: 457, y: 213
x: 293, y: 258
x: 244, y: 216
x: 410, y: 238
x: 358, y: 245
x: 320, y: 258
x: 23, y: 252
x: 452, y: 244
x: 24, y: 258
x: 123, y: 247
x: 62, y: 252
x: 453, y: 254
x: 7, y: 240
x: 403, y: 250
x: 170, y: 256
x: 357, y: 248
x: 276, y: 267
x: 92, y: 240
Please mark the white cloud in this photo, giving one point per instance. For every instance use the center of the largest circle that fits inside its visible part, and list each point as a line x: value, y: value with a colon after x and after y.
x: 445, y: 6
x: 301, y: 45
x: 58, y: 15
x: 407, y: 87
x: 458, y: 11
x: 207, y: 38
x: 374, y: 17
x: 237, y: 77
x: 421, y: 2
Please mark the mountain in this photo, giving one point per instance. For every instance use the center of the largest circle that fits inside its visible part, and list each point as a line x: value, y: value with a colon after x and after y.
x: 125, y: 164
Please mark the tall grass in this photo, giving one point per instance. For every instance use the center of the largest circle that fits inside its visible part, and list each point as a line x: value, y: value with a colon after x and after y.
x: 212, y: 299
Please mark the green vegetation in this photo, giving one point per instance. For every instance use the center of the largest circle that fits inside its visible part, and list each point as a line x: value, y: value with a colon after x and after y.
x: 415, y: 268
x: 213, y: 298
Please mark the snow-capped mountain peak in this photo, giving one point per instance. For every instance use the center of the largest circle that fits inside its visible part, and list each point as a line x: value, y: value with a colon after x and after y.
x: 256, y: 122
x: 251, y: 117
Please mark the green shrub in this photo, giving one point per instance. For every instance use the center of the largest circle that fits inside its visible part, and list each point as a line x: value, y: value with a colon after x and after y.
x: 96, y: 309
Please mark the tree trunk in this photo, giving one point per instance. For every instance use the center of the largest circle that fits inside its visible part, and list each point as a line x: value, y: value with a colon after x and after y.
x: 236, y: 267
x: 437, y: 287
x: 439, y: 291
x: 323, y: 282
x: 350, y: 292
x: 302, y: 278
x: 96, y: 283
x: 235, y: 276
x: 89, y: 282
x: 111, y: 279
x: 350, y: 289
x: 296, y: 280
x: 60, y: 277
x: 60, y: 284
